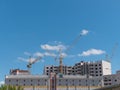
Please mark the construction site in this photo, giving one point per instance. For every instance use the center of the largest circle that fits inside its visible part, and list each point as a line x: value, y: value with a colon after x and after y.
x: 84, y: 75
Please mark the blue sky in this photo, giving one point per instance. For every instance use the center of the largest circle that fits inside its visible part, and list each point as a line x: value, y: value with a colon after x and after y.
x: 25, y: 25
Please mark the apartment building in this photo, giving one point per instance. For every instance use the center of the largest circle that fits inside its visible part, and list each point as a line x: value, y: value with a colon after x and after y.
x: 97, y: 68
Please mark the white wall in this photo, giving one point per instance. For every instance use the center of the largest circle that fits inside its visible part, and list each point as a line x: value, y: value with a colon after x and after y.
x: 106, y: 68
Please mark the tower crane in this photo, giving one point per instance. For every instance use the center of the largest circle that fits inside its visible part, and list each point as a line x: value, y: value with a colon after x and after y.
x: 60, y: 61
x: 61, y: 56
x: 112, y: 53
x: 31, y: 62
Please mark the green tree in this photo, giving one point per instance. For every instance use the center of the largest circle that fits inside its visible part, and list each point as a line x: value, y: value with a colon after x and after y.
x: 5, y: 87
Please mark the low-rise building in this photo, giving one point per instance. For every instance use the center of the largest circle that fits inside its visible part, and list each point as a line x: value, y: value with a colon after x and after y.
x: 45, y: 82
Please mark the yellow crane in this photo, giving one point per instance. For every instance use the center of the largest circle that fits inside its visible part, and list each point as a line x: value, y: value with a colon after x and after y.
x: 61, y: 56
x: 84, y: 32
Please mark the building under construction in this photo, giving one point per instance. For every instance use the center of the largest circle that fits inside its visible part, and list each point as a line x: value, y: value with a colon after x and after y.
x: 93, y: 75
x: 97, y: 68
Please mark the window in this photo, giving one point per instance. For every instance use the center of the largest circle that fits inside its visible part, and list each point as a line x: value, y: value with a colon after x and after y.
x: 59, y: 83
x: 91, y: 65
x: 105, y: 84
x: 45, y: 80
x: 92, y: 74
x: 105, y: 80
x: 91, y: 71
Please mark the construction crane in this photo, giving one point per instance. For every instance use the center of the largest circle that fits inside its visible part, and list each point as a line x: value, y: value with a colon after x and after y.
x: 108, y: 58
x: 31, y: 62
x: 61, y: 56
x: 60, y: 61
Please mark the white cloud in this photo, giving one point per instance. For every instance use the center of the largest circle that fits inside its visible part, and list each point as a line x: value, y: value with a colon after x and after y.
x: 71, y: 56
x: 27, y: 53
x: 2, y: 82
x: 38, y: 54
x: 92, y: 52
x: 49, y: 54
x: 56, y: 47
x: 27, y: 60
x: 57, y: 42
x: 63, y: 54
x: 84, y: 32
x: 22, y: 59
x: 31, y: 60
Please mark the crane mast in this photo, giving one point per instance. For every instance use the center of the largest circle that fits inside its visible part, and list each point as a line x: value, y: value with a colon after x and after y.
x: 109, y: 57
x: 61, y: 63
x: 61, y: 56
